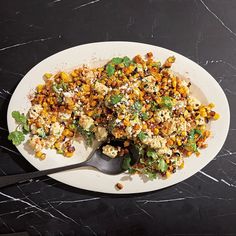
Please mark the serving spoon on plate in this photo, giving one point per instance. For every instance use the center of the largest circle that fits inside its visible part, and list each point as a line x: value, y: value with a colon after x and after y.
x: 96, y: 159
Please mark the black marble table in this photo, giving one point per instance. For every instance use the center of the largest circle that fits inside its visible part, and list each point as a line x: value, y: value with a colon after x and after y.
x: 204, y: 31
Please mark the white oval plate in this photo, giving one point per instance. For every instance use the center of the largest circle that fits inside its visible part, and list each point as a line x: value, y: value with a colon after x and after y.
x: 204, y: 87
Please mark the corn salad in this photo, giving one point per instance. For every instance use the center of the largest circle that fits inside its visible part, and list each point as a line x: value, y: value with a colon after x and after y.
x: 138, y: 101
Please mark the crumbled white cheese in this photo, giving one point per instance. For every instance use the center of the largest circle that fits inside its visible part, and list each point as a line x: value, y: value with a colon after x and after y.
x: 149, y: 84
x: 194, y: 102
x: 162, y: 115
x: 64, y: 116
x: 90, y: 75
x: 183, y: 83
x: 179, y: 104
x: 68, y: 94
x: 33, y: 128
x: 200, y: 121
x: 50, y: 141
x: 101, y: 133
x: 36, y: 143
x: 86, y: 122
x: 129, y: 131
x: 165, y: 151
x: 34, y: 111
x: 155, y: 142
x: 56, y: 129
x: 110, y: 151
x: 101, y: 88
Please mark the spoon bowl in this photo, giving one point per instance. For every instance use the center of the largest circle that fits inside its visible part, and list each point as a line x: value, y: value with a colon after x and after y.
x: 96, y: 159
x: 108, y: 165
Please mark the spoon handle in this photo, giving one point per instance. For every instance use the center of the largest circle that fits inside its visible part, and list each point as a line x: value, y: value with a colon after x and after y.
x: 13, y: 179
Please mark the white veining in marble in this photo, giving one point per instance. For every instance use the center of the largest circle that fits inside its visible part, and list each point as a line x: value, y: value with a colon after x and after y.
x: 28, y: 42
x: 10, y: 72
x: 9, y: 213
x: 227, y: 154
x: 1, y: 128
x: 146, y: 201
x: 225, y: 182
x: 35, y: 229
x: 30, y: 205
x: 209, y: 176
x: 62, y: 214
x: 222, y: 23
x: 230, y: 91
x: 144, y: 211
x: 10, y: 150
x: 161, y: 200
x: 86, y: 4
x: 75, y: 201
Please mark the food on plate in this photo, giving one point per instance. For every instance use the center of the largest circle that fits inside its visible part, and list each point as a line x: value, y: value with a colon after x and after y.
x: 139, y: 101
x: 119, y: 186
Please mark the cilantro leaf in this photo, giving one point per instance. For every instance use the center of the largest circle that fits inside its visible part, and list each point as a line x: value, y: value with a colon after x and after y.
x: 55, y: 89
x: 132, y: 171
x: 156, y: 64
x: 152, y: 153
x: 117, y: 60
x: 137, y: 106
x: 198, y: 131
x: 19, y: 118
x: 154, y: 106
x: 126, y: 163
x: 88, y: 135
x: 162, y: 166
x: 110, y: 69
x: 126, y: 61
x: 116, y: 99
x: 144, y: 116
x: 191, y: 144
x: 17, y: 137
x: 151, y: 175
x: 26, y: 129
x: 191, y: 135
x: 167, y: 102
x: 142, y: 136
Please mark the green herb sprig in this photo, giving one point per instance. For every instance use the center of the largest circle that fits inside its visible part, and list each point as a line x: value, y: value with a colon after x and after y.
x: 18, y: 136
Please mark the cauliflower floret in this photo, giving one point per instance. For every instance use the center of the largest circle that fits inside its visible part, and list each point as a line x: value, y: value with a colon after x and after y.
x: 56, y: 129
x: 179, y: 125
x: 155, y: 142
x: 129, y: 131
x: 101, y: 88
x: 34, y: 111
x: 149, y: 84
x: 162, y: 115
x: 110, y: 151
x: 194, y: 102
x: 36, y: 143
x: 86, y: 122
x: 101, y: 133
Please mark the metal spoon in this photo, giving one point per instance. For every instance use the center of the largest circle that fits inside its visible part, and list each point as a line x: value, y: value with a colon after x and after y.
x: 96, y: 159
